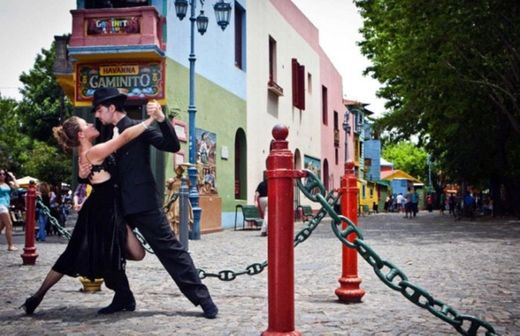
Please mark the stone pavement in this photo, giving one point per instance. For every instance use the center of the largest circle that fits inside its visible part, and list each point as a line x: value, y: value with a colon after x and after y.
x: 472, y: 266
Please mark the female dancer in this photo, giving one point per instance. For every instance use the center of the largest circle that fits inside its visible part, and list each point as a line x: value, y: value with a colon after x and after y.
x: 100, y: 240
x: 7, y: 182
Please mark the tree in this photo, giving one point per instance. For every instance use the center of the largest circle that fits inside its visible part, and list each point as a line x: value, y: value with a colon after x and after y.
x: 13, y: 143
x: 48, y: 163
x: 44, y: 105
x: 27, y: 145
x: 450, y: 71
x: 407, y: 157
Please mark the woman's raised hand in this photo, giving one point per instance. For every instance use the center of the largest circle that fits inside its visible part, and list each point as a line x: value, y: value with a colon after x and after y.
x: 154, y: 110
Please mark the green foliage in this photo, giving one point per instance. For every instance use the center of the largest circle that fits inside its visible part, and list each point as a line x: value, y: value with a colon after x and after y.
x: 26, y: 143
x: 407, y: 157
x: 13, y: 143
x: 44, y: 104
x: 450, y: 71
x: 48, y: 164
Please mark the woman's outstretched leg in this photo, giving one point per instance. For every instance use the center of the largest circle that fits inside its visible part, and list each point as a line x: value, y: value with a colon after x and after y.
x: 134, y: 249
x: 34, y: 301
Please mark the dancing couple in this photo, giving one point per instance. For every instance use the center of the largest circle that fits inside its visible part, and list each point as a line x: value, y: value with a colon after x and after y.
x: 124, y: 196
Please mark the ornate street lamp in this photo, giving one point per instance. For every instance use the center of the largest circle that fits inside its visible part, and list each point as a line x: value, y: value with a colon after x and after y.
x: 202, y: 23
x: 181, y: 8
x: 222, y: 12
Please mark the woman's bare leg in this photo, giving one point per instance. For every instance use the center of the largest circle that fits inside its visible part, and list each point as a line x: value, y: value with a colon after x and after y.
x: 6, y: 221
x: 134, y: 249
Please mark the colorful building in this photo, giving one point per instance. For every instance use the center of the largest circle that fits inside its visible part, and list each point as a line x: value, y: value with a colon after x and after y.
x: 265, y: 68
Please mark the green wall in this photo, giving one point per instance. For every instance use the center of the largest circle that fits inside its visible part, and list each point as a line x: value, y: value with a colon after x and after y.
x: 218, y: 111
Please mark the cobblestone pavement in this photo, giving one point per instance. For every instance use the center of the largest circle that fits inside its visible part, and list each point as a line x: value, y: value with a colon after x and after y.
x: 472, y: 266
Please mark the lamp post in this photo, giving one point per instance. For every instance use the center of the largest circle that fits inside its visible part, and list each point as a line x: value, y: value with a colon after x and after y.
x: 222, y: 13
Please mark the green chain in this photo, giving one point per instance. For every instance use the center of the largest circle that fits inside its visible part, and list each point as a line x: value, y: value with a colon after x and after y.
x: 390, y: 274
x: 54, y: 222
x: 257, y: 268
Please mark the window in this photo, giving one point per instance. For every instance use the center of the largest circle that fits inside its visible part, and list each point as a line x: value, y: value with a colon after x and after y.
x: 336, y: 129
x: 309, y: 83
x: 240, y: 28
x: 324, y: 106
x: 272, y: 86
x: 337, y: 156
x: 272, y: 59
x: 298, y: 84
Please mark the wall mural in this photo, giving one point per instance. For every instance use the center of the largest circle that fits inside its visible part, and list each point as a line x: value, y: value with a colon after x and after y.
x: 206, y: 161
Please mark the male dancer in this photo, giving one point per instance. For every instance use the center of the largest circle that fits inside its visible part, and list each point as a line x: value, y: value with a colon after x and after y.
x: 141, y: 204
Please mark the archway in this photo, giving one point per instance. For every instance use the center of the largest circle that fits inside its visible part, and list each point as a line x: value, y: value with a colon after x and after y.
x: 240, y: 165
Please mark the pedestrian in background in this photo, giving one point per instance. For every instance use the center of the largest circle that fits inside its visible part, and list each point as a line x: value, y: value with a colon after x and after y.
x: 261, y: 203
x: 429, y: 202
x: 408, y: 203
x: 7, y: 185
x: 442, y: 203
x: 400, y: 202
x: 414, y: 197
x: 44, y: 191
x: 80, y: 195
x: 452, y: 201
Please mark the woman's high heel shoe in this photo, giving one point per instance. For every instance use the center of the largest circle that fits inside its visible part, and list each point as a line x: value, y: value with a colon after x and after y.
x: 31, y: 304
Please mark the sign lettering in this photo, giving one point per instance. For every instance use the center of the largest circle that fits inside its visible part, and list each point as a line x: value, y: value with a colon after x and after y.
x: 141, y: 80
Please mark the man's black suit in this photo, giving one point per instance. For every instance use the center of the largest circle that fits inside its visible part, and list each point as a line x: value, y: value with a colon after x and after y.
x: 142, y: 208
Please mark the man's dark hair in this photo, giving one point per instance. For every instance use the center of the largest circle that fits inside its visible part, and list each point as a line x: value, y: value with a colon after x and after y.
x: 118, y: 103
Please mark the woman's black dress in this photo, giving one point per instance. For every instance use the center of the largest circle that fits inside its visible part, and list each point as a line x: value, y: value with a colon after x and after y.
x: 99, y: 237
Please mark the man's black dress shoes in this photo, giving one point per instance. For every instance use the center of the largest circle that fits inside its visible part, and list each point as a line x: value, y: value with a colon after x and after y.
x: 118, y: 305
x: 209, y: 309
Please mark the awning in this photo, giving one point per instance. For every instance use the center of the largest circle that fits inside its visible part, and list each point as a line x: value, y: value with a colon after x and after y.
x: 24, y: 181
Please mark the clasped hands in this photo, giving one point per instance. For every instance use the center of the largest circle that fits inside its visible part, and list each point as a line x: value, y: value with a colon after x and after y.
x: 154, y: 110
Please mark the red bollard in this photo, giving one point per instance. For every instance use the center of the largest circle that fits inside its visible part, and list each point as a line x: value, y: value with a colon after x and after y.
x: 349, y: 290
x: 29, y: 251
x: 280, y: 250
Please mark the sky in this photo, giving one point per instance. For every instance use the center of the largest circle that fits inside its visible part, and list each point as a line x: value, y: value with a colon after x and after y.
x: 338, y: 22
x: 27, y: 26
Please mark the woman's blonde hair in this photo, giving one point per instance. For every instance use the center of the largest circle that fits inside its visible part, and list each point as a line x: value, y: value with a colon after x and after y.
x: 67, y: 134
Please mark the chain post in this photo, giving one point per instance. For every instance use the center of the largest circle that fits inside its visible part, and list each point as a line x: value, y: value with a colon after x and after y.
x: 280, y: 251
x: 29, y: 254
x: 349, y: 290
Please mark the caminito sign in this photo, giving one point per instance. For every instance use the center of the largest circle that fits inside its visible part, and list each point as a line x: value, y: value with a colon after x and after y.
x: 142, y: 80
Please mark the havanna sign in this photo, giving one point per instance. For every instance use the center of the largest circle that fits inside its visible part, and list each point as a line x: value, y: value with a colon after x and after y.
x: 142, y: 80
